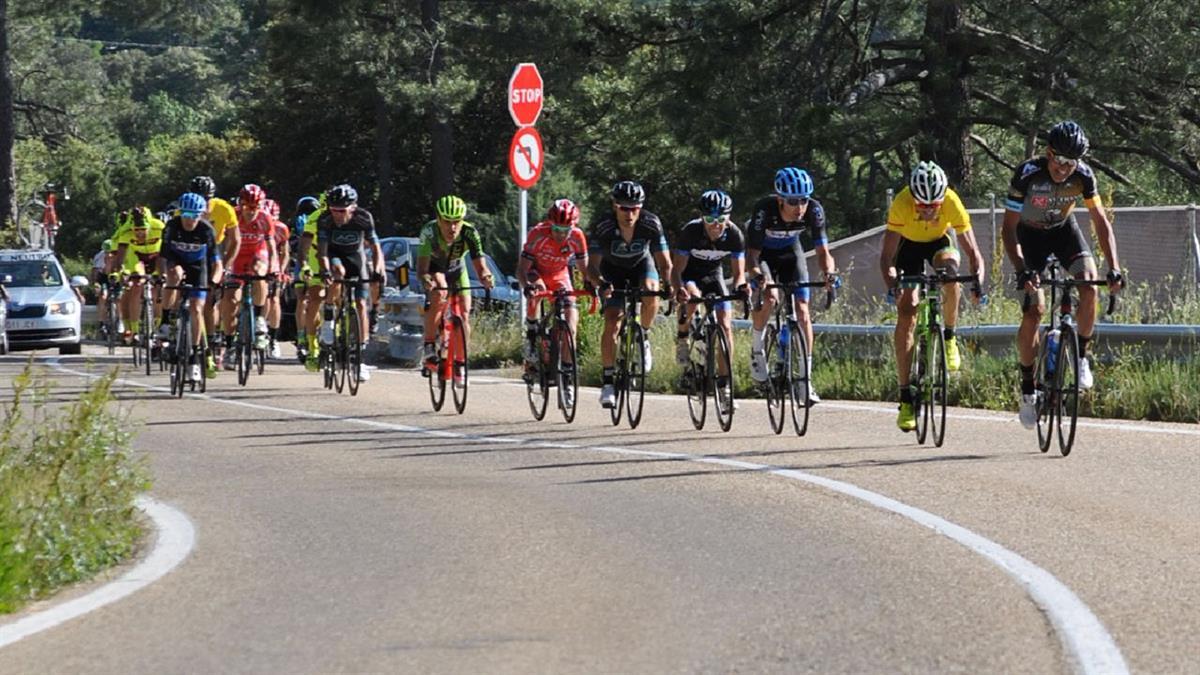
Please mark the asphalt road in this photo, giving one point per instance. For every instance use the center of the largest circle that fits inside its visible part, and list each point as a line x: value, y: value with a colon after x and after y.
x: 369, y: 534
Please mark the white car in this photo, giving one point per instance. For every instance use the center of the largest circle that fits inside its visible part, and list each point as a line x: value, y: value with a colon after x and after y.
x: 43, y: 307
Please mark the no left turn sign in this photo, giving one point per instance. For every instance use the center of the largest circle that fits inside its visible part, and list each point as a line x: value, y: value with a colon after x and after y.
x: 525, y: 157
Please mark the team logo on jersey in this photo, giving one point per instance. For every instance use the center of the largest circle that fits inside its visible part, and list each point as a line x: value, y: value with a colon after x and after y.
x: 621, y: 249
x: 1028, y: 168
x: 344, y: 237
x: 1040, y: 202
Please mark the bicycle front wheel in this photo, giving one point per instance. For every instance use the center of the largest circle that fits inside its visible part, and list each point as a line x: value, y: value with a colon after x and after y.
x: 460, y: 375
x: 537, y: 386
x: 1067, y: 385
x: 937, y: 385
x: 437, y: 382
x: 720, y: 358
x: 183, y: 352
x: 568, y: 374
x: 353, y: 345
x: 776, y: 384
x: 696, y: 387
x: 798, y: 379
x: 917, y: 382
x: 635, y: 383
x: 245, y: 344
x: 1047, y: 400
x: 147, y: 314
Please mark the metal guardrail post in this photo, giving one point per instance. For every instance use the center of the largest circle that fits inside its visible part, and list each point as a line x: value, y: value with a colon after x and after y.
x: 1195, y: 266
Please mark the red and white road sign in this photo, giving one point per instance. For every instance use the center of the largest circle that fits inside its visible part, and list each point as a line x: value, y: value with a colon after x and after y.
x: 525, y: 157
x: 525, y: 94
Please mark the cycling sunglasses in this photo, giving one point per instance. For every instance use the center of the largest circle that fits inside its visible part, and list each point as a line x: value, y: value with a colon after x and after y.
x: 795, y: 201
x: 715, y: 219
x: 629, y: 208
x: 189, y: 214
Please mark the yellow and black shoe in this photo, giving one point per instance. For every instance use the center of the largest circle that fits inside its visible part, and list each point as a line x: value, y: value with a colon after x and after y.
x: 906, y: 420
x: 953, y: 358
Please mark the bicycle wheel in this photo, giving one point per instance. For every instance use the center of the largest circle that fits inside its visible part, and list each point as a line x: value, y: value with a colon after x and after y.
x: 775, y: 387
x: 338, y: 349
x: 568, y: 374
x: 147, y: 318
x: 798, y: 380
x: 636, y: 382
x: 202, y: 360
x: 353, y: 351
x: 1047, y: 400
x: 111, y: 324
x: 697, y: 387
x: 325, y: 359
x: 182, y: 353
x: 537, y: 388
x: 917, y: 382
x: 437, y: 380
x: 459, y: 380
x: 937, y: 385
x: 720, y: 356
x: 1067, y: 384
x: 621, y: 370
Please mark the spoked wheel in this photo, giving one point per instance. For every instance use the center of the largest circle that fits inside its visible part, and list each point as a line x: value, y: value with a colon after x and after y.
x: 697, y: 387
x: 147, y: 313
x: 325, y: 359
x: 437, y: 381
x: 721, y: 360
x: 918, y: 382
x: 244, y: 346
x: 537, y: 388
x: 636, y: 383
x: 339, y: 351
x: 183, y: 351
x: 776, y: 384
x: 798, y: 379
x: 354, y: 353
x: 1067, y: 384
x: 568, y: 374
x: 460, y: 375
x: 620, y: 379
x: 113, y: 336
x: 937, y: 385
x: 1047, y: 397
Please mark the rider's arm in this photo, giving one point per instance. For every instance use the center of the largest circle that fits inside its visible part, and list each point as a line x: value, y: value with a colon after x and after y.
x: 973, y: 254
x: 306, y: 240
x: 1104, y: 234
x: 679, y: 260
x: 233, y: 242
x: 1009, y: 234
x: 887, y: 257
x: 737, y: 265
x: 322, y: 255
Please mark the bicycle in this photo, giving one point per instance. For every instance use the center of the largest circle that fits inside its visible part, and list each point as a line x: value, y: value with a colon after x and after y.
x: 342, y: 360
x: 112, y: 323
x: 42, y: 229
x: 786, y: 355
x: 556, y: 364
x: 927, y: 367
x: 630, y: 367
x: 450, y: 357
x: 1056, y: 375
x: 247, y: 355
x: 710, y: 355
x: 142, y: 346
x: 185, y: 354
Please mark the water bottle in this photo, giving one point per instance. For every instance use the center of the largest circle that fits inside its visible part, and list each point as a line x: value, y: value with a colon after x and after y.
x: 785, y: 339
x: 1051, y: 351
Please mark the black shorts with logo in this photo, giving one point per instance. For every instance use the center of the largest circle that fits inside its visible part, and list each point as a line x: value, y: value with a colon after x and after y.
x: 1066, y: 242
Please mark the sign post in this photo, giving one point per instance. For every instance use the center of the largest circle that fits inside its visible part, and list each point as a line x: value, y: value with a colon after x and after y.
x: 525, y: 156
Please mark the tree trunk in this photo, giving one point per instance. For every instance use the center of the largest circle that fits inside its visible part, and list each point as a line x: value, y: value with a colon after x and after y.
x: 385, y: 222
x: 440, y: 133
x: 946, y: 125
x: 8, y: 181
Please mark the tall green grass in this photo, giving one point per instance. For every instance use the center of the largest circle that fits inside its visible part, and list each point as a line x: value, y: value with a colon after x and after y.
x: 67, y: 485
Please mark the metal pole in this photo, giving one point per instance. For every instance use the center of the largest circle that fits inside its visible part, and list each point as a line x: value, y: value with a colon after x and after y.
x: 521, y: 243
x: 1195, y: 245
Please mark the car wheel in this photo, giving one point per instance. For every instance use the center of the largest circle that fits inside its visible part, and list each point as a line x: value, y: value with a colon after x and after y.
x: 70, y: 349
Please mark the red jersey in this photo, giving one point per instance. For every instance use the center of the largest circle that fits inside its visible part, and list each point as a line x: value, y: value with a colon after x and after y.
x: 281, y: 244
x: 255, y: 234
x: 550, y: 257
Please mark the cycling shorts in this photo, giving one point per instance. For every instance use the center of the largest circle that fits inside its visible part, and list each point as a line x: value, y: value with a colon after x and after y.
x: 560, y: 280
x: 785, y: 267
x: 627, y: 277
x: 1066, y: 242
x: 911, y: 256
x: 710, y: 284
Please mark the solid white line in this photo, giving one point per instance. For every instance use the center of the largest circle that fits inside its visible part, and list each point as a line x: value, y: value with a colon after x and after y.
x: 174, y: 541
x: 1088, y: 645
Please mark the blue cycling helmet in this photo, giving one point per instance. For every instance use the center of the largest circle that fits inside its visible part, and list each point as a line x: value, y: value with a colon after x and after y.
x: 307, y: 205
x: 190, y: 201
x: 715, y: 203
x: 793, y: 182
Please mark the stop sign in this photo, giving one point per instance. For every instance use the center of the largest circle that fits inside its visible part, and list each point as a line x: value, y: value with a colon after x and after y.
x: 525, y: 94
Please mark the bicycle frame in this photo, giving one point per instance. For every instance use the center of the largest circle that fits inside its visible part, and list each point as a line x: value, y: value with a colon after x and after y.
x: 787, y: 342
x: 555, y: 338
x: 451, y: 354
x: 630, y: 336
x: 705, y: 335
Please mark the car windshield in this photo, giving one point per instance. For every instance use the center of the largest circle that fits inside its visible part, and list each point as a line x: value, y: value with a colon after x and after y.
x: 31, y: 273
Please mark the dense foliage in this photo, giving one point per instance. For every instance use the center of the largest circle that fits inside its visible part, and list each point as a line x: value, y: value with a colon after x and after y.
x: 406, y: 98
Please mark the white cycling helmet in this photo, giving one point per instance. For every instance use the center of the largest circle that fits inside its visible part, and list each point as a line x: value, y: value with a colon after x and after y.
x: 928, y: 183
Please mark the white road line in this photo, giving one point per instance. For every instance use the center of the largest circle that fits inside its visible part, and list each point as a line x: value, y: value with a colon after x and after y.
x: 1090, y: 649
x: 174, y: 541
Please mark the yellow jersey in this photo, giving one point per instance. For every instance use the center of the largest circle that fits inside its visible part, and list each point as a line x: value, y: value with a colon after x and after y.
x: 903, y: 218
x: 135, y: 250
x: 221, y: 216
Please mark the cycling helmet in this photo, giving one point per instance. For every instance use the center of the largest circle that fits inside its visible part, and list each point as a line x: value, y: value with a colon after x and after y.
x: 139, y: 214
x: 307, y: 205
x: 1068, y: 140
x: 628, y: 193
x: 271, y: 207
x: 341, y: 196
x: 450, y: 207
x: 190, y: 201
x: 251, y: 195
x: 793, y: 182
x: 715, y: 203
x: 107, y: 245
x: 204, y: 186
x: 563, y: 213
x: 928, y: 183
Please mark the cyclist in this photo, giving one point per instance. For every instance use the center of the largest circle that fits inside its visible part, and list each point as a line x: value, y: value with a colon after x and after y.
x: 190, y: 255
x: 553, y: 246
x: 445, y: 243
x: 254, y: 250
x: 138, y: 240
x: 625, y: 246
x: 774, y: 252
x: 342, y: 232
x: 696, y: 269
x: 1039, y: 222
x: 99, y: 278
x: 221, y: 216
x: 918, y: 230
x: 279, y: 266
x: 309, y: 292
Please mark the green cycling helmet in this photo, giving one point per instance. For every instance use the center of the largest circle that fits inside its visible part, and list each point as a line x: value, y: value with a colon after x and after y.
x: 451, y: 208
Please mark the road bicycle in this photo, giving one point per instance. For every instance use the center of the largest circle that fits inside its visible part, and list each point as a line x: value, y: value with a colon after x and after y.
x: 556, y: 365
x: 928, y: 378
x: 449, y: 363
x: 40, y: 214
x: 112, y: 323
x: 709, y: 370
x: 786, y: 354
x: 341, y: 361
x: 183, y: 353
x: 1056, y: 373
x: 248, y: 355
x: 143, y: 341
x: 629, y: 381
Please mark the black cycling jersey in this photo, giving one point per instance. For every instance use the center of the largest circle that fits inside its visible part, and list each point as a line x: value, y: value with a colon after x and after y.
x: 194, y: 250
x: 767, y: 231
x: 606, y: 240
x: 704, y: 254
x: 347, y: 240
x: 1042, y: 203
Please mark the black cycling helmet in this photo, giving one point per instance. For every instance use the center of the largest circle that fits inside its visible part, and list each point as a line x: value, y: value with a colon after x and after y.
x: 628, y: 193
x: 204, y: 186
x: 341, y: 195
x: 307, y: 205
x: 715, y: 203
x: 1068, y: 140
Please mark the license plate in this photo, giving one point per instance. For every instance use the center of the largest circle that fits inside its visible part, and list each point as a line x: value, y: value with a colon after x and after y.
x: 20, y: 324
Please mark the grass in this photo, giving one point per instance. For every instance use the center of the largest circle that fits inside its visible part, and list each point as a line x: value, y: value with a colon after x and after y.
x: 67, y: 485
